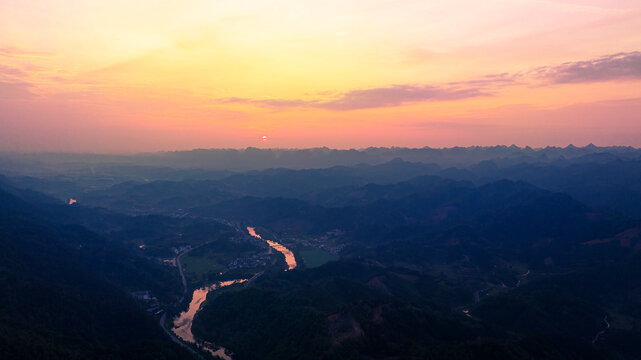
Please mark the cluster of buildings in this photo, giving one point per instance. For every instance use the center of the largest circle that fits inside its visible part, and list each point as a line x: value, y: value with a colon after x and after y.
x: 252, y: 262
x: 321, y: 242
x: 179, y: 250
x: 151, y: 302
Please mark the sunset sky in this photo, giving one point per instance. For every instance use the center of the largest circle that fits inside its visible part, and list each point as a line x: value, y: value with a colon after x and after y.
x: 128, y: 76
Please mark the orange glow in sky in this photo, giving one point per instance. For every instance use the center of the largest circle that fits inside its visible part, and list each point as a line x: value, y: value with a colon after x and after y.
x: 123, y: 76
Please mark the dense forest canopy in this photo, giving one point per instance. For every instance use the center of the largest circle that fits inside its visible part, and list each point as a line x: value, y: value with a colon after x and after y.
x: 462, y: 253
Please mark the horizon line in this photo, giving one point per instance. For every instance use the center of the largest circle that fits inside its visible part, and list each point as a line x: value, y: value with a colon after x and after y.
x: 362, y: 149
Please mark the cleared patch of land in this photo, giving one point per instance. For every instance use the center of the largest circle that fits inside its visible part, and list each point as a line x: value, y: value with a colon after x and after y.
x: 197, y: 267
x: 316, y: 257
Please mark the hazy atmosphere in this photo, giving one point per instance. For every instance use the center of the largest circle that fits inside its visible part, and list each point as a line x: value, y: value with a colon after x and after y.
x: 320, y: 180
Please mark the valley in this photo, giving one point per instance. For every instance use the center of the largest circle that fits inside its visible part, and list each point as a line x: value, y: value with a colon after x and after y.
x: 423, y: 264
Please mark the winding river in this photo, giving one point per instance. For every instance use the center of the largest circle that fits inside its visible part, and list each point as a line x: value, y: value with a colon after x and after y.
x: 289, y: 255
x: 182, y: 323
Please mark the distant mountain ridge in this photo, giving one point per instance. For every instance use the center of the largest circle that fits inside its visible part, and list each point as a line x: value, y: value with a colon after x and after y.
x: 259, y: 159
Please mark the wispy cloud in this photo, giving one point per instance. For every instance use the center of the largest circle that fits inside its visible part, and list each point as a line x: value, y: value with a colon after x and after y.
x: 620, y: 66
x: 394, y: 95
x: 611, y: 67
x: 277, y: 103
x: 489, y: 80
x: 8, y: 71
x: 14, y: 52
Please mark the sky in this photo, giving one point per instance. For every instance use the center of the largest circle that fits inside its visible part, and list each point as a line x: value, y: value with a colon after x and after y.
x: 125, y: 76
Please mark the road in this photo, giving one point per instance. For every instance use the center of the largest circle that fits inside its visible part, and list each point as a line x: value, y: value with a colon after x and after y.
x: 607, y: 326
x: 164, y: 315
x: 253, y: 278
x: 180, y: 268
x: 522, y: 277
x: 477, y: 293
x: 175, y: 339
x: 182, y: 274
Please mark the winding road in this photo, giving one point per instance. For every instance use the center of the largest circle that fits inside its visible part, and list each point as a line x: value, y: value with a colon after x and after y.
x: 522, y: 277
x: 477, y: 294
x: 182, y: 274
x: 173, y: 337
x: 598, y: 335
x: 163, y: 318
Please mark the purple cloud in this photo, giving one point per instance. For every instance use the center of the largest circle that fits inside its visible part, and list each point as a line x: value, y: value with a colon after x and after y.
x: 267, y: 102
x: 611, y: 67
x: 11, y: 71
x: 502, y: 79
x: 15, y: 52
x: 394, y: 95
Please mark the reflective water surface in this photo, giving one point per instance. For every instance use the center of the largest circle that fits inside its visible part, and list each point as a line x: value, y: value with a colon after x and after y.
x: 289, y: 255
x: 182, y: 323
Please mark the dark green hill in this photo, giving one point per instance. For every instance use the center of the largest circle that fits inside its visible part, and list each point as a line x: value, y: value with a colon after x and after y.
x: 359, y: 311
x: 60, y: 298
